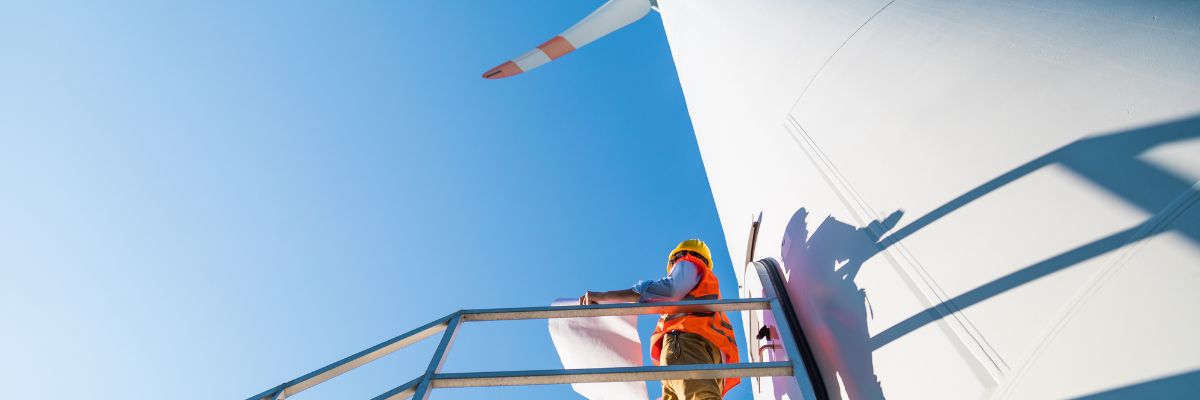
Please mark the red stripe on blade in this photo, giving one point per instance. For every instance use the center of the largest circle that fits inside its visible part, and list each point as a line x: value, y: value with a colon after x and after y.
x: 557, y: 47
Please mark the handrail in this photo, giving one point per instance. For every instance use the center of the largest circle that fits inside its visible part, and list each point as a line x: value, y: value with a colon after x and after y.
x: 608, y: 310
x: 623, y: 374
x: 401, y: 392
x: 590, y: 375
x: 353, y: 361
x: 800, y: 364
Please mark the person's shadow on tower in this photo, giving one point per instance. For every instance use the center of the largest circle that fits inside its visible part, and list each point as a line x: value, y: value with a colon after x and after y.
x: 820, y: 272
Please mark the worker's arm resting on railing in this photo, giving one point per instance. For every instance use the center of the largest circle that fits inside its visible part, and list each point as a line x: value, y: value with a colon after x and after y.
x: 612, y: 296
x: 684, y: 277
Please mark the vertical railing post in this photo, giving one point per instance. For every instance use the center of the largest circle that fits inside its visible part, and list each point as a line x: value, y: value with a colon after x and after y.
x: 439, y: 358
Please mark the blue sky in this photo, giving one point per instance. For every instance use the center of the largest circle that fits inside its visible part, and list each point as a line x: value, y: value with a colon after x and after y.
x: 204, y: 199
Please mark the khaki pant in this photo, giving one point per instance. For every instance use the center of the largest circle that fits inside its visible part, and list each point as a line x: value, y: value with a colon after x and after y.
x: 682, y: 348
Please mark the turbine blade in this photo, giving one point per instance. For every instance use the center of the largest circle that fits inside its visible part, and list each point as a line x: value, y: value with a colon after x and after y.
x: 613, y: 15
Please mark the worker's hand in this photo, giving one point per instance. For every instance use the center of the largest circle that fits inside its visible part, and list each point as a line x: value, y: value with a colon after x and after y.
x: 588, y: 298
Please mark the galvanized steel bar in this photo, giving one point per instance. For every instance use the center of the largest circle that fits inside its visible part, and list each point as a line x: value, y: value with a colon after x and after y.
x: 628, y: 374
x: 419, y: 388
x: 602, y: 310
x: 439, y: 358
x: 401, y: 392
x: 330, y: 371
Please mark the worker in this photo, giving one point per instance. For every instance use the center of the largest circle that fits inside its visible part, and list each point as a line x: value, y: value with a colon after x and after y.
x: 684, y: 338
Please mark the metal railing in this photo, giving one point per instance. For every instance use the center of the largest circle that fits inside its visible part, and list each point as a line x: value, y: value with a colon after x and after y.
x: 800, y: 364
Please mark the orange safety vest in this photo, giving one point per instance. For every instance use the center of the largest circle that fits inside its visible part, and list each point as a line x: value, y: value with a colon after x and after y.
x: 712, y: 326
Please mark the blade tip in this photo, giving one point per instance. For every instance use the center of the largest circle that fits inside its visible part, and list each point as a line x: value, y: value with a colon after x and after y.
x: 503, y: 71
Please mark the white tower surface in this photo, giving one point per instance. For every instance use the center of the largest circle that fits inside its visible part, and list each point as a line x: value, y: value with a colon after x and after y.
x: 1011, y: 185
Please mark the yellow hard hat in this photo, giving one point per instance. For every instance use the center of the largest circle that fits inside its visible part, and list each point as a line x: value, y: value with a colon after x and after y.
x: 694, y: 245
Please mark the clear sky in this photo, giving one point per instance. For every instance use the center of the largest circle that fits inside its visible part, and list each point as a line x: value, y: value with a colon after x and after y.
x: 203, y: 199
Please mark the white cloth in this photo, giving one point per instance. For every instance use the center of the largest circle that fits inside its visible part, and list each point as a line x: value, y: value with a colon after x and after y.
x: 599, y: 342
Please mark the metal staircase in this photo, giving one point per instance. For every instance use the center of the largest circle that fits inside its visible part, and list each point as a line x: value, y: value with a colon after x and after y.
x: 799, y: 365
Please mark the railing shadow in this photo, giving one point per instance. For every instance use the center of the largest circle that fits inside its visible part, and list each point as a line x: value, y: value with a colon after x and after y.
x: 822, y: 267
x: 1180, y: 386
x: 1109, y: 161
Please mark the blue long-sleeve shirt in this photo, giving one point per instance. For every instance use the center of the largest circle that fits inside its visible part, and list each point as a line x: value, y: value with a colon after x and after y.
x: 683, y: 278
